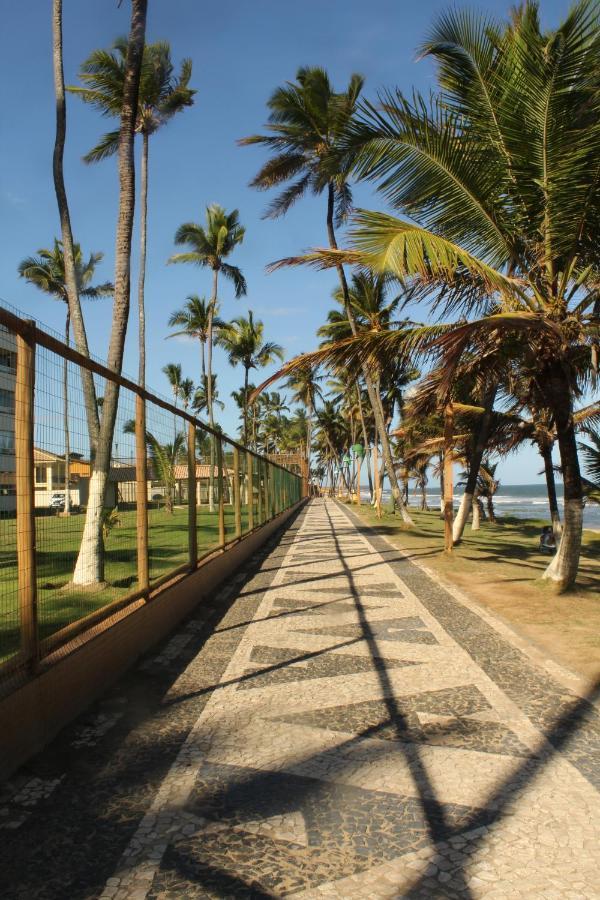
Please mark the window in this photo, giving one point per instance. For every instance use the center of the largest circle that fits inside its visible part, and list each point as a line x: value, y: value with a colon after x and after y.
x: 8, y: 359
x: 40, y: 475
x: 7, y: 399
x: 7, y: 443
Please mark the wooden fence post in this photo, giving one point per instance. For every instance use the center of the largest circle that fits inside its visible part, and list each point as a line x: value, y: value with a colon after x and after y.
x: 267, y: 486
x: 237, y: 500
x: 24, y: 476
x: 141, y: 494
x: 250, y: 484
x: 448, y: 476
x: 220, y: 481
x: 260, y: 497
x: 192, y: 497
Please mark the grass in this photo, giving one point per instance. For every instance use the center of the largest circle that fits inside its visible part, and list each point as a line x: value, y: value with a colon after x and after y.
x: 500, y: 567
x: 57, y: 542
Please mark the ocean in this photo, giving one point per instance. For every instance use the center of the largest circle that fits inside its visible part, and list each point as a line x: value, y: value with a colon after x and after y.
x: 524, y: 501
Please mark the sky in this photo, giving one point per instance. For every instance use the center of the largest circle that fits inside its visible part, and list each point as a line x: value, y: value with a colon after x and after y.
x: 240, y: 51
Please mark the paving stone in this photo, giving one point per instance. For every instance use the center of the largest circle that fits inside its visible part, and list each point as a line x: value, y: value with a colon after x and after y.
x: 332, y: 723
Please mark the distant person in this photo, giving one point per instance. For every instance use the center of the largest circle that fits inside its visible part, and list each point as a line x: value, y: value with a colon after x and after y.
x: 547, y: 540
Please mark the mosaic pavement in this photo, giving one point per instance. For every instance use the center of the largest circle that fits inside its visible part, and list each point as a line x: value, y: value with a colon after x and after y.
x: 333, y: 724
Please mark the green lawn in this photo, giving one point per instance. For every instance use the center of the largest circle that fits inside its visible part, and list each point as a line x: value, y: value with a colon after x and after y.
x: 500, y: 567
x: 58, y: 539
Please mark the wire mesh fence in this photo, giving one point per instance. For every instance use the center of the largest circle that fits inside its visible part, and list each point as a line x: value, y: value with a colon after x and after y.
x: 106, y: 492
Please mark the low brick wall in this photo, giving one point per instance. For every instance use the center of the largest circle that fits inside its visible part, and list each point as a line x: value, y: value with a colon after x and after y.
x: 66, y: 685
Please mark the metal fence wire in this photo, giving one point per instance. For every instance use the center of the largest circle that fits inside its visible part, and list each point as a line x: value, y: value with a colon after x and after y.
x: 84, y: 533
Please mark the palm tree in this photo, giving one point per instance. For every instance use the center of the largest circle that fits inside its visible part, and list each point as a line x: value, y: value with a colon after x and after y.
x: 200, y: 401
x: 242, y: 340
x: 186, y: 392
x: 47, y: 271
x: 173, y: 373
x: 209, y: 248
x: 79, y: 332
x: 591, y: 454
x: 498, y: 174
x: 488, y: 486
x: 309, y: 127
x: 193, y: 321
x: 161, y: 96
x: 89, y: 568
x: 304, y: 385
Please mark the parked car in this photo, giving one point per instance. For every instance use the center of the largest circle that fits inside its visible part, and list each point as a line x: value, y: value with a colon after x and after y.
x: 57, y: 501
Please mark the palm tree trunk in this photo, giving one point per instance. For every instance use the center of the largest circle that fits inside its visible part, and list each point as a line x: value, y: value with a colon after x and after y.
x: 491, y: 510
x: 246, y: 372
x: 476, y: 515
x: 209, y: 396
x: 373, y: 399
x: 66, y: 420
x: 89, y: 568
x: 546, y: 454
x: 563, y: 568
x: 466, y: 502
x: 142, y: 272
x: 79, y: 333
x: 202, y: 365
x: 365, y: 440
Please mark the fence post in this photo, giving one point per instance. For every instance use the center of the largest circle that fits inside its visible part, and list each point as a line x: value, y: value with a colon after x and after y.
x: 192, y: 496
x: 220, y: 488
x: 24, y: 476
x: 260, y: 497
x: 237, y: 500
x: 141, y: 493
x: 250, y: 481
x: 268, y: 491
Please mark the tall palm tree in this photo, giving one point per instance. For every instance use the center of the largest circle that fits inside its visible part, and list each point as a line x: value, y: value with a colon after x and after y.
x: 193, y: 321
x: 79, y: 332
x: 161, y: 96
x: 210, y: 246
x: 89, y: 568
x: 308, y: 130
x: 499, y: 175
x: 304, y: 385
x: 47, y: 271
x: 242, y: 339
x: 200, y: 401
x: 173, y: 374
x: 186, y: 392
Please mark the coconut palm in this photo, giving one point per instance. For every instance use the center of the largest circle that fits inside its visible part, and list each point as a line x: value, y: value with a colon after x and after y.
x: 47, y: 271
x: 304, y: 385
x: 200, y: 401
x: 89, y: 568
x: 308, y: 130
x: 186, y: 392
x: 79, y: 332
x: 591, y: 455
x: 174, y: 377
x: 242, y: 340
x: 210, y: 246
x: 193, y: 321
x: 499, y: 175
x: 161, y: 96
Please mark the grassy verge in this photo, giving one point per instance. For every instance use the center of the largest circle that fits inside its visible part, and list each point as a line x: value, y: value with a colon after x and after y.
x: 58, y: 539
x: 500, y: 567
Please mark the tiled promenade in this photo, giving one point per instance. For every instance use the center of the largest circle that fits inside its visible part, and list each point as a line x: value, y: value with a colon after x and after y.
x: 336, y: 724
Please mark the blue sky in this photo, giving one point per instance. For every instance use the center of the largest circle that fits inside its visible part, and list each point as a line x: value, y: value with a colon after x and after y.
x: 241, y: 51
